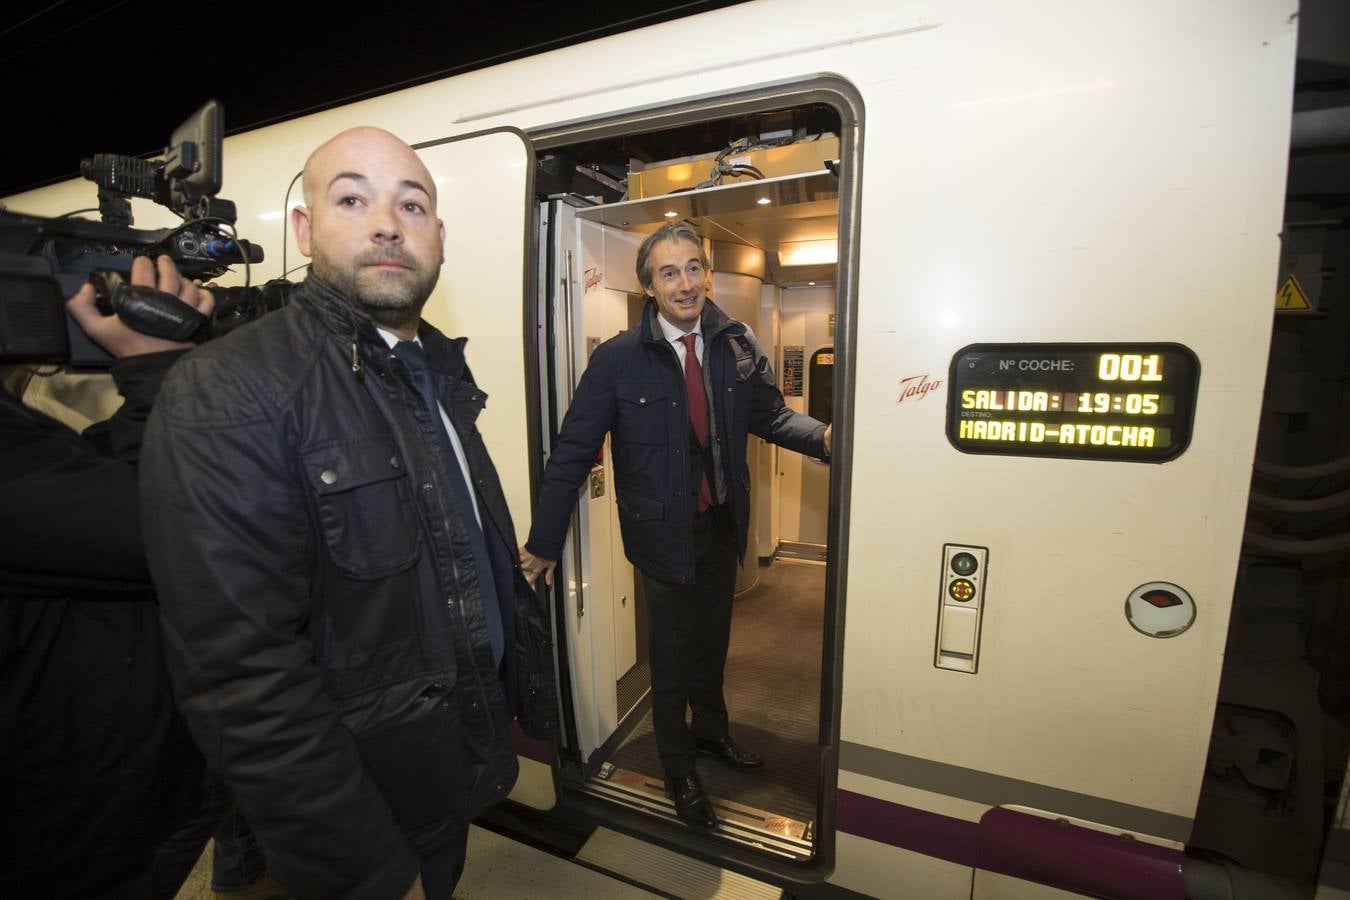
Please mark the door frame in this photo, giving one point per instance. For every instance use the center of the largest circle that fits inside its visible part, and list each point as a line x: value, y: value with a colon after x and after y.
x: 847, y: 102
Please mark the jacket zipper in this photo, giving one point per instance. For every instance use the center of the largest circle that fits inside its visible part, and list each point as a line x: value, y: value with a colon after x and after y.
x: 434, y: 480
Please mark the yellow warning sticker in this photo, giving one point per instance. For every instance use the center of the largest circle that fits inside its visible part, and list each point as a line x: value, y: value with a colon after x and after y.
x: 1290, y: 296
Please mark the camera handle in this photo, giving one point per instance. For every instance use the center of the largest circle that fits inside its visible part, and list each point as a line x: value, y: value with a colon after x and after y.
x: 144, y: 309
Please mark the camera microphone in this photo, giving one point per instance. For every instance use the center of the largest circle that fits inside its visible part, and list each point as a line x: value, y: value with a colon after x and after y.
x: 123, y: 174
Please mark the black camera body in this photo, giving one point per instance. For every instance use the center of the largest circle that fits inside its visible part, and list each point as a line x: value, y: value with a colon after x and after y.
x: 44, y: 260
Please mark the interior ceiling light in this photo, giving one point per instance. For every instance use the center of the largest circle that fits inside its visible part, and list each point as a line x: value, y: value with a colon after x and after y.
x: 670, y: 214
x: 808, y: 253
x: 763, y: 201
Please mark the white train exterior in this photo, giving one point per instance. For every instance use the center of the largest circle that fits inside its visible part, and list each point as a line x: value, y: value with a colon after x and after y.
x: 1011, y: 174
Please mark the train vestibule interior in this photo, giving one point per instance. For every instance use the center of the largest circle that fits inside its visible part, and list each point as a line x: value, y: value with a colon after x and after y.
x: 763, y: 192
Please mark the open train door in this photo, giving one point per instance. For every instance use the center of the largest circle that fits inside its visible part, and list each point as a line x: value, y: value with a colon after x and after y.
x: 483, y: 188
x: 596, y: 624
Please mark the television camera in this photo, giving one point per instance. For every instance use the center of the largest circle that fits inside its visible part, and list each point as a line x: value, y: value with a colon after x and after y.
x: 45, y: 260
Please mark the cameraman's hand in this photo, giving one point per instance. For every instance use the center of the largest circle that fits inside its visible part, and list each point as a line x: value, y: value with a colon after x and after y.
x: 113, y: 335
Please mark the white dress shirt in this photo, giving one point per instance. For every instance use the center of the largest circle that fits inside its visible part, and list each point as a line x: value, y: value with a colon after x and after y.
x: 674, y: 334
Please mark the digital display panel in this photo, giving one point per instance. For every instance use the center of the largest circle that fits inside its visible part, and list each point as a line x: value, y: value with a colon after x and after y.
x: 1122, y: 402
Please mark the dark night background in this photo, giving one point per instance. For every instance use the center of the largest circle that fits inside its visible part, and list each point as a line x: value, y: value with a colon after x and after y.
x: 117, y: 77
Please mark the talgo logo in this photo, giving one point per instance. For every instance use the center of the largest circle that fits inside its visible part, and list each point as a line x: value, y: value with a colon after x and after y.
x: 593, y: 277
x: 916, y: 387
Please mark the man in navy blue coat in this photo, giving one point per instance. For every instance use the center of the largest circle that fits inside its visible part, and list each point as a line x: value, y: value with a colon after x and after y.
x: 679, y: 392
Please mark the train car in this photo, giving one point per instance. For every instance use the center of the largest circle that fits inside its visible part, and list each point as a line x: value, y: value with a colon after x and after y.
x: 1021, y: 255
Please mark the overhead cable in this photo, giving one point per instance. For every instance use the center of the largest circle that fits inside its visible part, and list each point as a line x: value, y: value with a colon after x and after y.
x: 1315, y: 471
x: 1297, y: 546
x: 1313, y: 504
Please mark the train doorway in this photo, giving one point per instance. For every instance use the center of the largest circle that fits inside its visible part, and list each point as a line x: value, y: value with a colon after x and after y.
x: 764, y: 191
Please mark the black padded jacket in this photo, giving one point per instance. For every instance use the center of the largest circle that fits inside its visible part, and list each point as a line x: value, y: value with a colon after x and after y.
x: 322, y: 615
x: 96, y: 766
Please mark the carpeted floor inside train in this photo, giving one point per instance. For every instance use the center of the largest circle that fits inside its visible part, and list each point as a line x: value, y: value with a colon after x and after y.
x: 772, y: 693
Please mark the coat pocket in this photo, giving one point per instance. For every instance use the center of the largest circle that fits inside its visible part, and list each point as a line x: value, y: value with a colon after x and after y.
x: 643, y: 412
x: 642, y: 520
x: 637, y: 508
x: 365, y: 506
x: 419, y: 763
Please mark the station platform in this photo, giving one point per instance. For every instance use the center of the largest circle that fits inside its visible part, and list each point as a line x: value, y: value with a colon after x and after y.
x: 496, y: 868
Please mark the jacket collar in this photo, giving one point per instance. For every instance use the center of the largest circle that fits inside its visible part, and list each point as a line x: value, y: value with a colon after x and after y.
x: 712, y: 322
x: 351, y: 326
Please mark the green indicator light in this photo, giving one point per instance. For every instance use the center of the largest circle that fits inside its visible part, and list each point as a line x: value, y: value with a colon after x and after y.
x: 964, y: 563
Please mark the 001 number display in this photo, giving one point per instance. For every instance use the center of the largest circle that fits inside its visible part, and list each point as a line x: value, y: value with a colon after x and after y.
x: 1129, y: 367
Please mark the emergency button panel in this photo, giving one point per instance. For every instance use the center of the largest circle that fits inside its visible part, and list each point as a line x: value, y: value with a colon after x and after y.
x: 965, y: 570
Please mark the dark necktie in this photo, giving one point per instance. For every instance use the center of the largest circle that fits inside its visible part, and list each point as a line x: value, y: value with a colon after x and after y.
x: 411, y: 354
x: 698, y: 410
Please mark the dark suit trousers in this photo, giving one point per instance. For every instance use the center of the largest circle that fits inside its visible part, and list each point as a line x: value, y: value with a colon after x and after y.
x: 441, y: 870
x: 689, y: 627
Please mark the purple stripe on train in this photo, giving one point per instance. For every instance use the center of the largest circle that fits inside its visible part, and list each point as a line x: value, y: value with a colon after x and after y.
x: 904, y: 826
x: 1048, y: 851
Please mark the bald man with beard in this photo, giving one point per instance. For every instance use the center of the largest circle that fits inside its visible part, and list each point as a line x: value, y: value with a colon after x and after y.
x: 347, y: 627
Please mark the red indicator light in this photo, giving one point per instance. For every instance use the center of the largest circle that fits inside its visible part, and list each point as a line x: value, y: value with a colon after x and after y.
x: 1162, y: 599
x: 961, y: 590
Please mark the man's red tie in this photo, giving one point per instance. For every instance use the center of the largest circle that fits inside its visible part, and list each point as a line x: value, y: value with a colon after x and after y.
x: 698, y: 410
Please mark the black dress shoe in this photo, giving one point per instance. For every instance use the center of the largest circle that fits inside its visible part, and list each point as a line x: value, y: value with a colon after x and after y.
x: 690, y: 802
x: 728, y: 753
